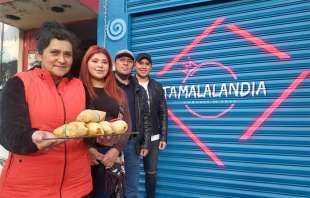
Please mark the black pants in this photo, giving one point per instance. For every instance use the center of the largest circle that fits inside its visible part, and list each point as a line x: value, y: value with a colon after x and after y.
x: 150, y: 169
x: 104, y: 184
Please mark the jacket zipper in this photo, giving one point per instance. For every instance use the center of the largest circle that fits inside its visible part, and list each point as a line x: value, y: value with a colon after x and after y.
x: 137, y: 110
x: 65, y: 147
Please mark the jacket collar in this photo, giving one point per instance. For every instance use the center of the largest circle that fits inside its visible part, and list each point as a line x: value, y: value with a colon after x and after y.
x: 135, y: 83
x: 132, y: 82
x: 45, y: 75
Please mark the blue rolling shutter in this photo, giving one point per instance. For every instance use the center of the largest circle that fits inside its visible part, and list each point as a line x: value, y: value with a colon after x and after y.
x: 237, y: 81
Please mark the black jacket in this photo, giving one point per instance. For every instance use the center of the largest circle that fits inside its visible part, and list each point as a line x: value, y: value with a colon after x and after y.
x: 142, y: 115
x: 158, y: 109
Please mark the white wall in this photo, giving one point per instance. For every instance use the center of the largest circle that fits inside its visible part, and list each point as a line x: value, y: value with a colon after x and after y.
x: 3, y: 153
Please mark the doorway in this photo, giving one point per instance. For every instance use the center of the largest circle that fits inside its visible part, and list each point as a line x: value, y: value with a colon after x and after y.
x: 86, y: 32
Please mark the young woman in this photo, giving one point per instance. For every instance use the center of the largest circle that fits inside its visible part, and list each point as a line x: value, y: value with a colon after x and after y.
x: 34, y: 103
x: 104, y: 94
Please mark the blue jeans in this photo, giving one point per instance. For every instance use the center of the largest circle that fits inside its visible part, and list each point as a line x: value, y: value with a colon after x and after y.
x: 132, y: 161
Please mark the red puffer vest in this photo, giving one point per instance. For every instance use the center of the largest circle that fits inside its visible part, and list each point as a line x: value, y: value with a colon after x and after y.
x: 64, y: 170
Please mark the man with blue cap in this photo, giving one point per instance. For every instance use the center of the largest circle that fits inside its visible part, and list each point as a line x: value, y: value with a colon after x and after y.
x: 140, y: 120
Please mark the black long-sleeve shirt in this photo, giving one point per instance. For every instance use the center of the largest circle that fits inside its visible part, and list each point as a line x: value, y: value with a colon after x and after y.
x: 104, y: 102
x: 15, y: 127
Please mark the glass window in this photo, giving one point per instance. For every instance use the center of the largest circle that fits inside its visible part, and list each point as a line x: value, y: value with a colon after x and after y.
x: 9, y: 46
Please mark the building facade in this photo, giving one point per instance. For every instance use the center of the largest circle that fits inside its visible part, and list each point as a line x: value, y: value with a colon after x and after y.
x: 236, y: 75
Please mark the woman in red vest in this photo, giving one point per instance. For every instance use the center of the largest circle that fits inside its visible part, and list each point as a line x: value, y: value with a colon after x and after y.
x: 34, y: 103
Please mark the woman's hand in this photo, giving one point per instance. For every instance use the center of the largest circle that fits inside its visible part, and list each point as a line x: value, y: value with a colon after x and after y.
x: 95, y: 156
x: 39, y: 139
x: 110, y: 157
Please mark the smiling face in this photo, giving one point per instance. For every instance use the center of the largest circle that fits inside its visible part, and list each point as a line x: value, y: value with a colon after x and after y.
x: 57, y: 58
x: 98, y: 66
x: 143, y: 68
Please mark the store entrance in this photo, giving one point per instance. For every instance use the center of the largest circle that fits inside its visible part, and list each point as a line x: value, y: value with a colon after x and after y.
x: 86, y: 32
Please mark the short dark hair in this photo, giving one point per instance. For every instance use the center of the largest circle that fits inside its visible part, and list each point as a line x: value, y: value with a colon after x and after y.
x: 54, y: 30
x: 144, y: 56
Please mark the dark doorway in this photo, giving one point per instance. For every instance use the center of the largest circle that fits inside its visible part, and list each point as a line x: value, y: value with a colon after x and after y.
x: 86, y: 31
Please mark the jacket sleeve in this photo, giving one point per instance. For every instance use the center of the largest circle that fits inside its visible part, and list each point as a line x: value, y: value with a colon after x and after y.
x: 15, y: 127
x: 124, y: 109
x: 147, y: 121
x: 163, y: 115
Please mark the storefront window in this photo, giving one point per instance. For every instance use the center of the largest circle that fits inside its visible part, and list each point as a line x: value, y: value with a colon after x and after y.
x: 9, y: 49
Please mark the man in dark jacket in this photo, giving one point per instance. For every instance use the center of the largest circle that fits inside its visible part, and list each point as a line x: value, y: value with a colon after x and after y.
x: 158, y: 109
x: 140, y: 116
